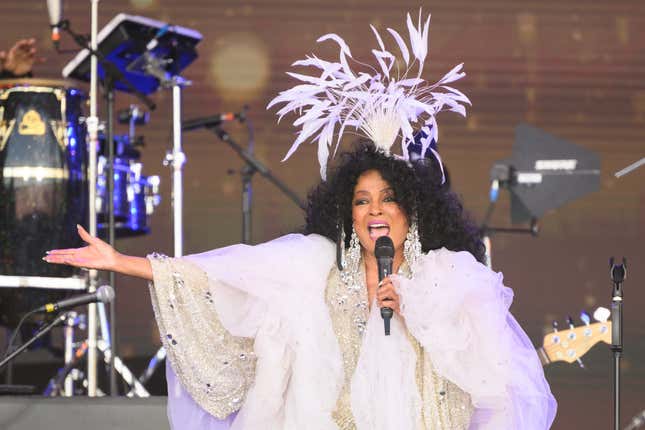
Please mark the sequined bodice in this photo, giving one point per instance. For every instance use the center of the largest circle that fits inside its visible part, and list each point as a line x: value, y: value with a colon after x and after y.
x: 348, y: 311
x: 445, y: 406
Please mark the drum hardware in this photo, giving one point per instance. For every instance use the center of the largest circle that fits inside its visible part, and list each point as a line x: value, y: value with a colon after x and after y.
x: 13, y: 353
x: 97, y: 55
x: 168, y: 51
x: 134, y: 116
x: 73, y: 319
x: 92, y: 123
x: 39, y: 287
x: 154, y: 362
x: 64, y: 380
x: 43, y: 283
x: 135, y: 196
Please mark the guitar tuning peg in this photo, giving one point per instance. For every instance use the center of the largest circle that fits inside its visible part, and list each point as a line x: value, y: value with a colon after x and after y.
x: 580, y: 363
x: 585, y: 318
x: 601, y: 314
x: 555, y: 326
x: 570, y: 322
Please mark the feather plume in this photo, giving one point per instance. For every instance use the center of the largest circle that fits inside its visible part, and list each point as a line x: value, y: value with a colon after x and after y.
x: 373, y: 102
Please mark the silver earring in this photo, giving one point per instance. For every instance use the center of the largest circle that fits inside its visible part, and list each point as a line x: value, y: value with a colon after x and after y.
x: 341, y: 259
x: 351, y: 298
x: 412, y: 246
x: 351, y: 258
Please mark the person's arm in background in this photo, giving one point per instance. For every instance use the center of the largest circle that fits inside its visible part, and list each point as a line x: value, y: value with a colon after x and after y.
x: 19, y: 60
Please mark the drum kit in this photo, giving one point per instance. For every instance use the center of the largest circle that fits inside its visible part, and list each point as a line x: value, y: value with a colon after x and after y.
x: 60, y: 166
x: 55, y: 174
x: 44, y: 190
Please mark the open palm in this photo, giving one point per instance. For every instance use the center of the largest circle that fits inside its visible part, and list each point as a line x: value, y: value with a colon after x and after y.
x: 96, y: 255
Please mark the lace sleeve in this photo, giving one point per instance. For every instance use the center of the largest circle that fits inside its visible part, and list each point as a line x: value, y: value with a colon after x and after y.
x: 214, y: 367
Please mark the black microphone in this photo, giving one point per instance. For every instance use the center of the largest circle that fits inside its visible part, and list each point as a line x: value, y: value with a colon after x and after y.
x: 104, y: 294
x: 212, y: 121
x: 55, y: 9
x: 384, y: 252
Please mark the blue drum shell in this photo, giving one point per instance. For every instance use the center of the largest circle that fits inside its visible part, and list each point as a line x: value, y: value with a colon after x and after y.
x: 43, y: 183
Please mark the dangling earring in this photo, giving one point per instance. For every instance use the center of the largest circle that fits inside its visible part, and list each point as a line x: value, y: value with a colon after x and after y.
x: 353, y: 256
x: 412, y: 246
x: 341, y: 259
x: 350, y: 275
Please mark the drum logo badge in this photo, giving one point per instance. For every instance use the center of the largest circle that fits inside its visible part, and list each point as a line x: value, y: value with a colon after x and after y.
x: 31, y: 124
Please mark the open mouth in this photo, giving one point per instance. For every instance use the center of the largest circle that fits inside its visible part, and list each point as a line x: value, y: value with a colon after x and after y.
x: 378, y: 229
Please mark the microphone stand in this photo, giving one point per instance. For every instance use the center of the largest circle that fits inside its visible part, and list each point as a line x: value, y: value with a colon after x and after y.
x: 61, y: 318
x: 486, y: 231
x: 253, y: 165
x: 177, y: 158
x: 618, y: 273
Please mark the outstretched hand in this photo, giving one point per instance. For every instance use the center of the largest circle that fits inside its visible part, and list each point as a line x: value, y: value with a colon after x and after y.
x: 96, y: 255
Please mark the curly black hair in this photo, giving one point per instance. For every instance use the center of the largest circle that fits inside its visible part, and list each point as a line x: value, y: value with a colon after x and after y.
x: 417, y: 189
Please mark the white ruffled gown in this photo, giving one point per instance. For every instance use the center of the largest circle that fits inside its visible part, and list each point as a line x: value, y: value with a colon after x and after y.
x: 253, y: 343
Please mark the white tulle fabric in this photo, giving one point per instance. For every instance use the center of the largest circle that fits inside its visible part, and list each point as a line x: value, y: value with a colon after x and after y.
x: 458, y: 310
x: 455, y: 307
x: 274, y: 292
x: 384, y: 391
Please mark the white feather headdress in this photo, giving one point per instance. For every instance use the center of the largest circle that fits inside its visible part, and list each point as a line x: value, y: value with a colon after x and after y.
x: 379, y: 105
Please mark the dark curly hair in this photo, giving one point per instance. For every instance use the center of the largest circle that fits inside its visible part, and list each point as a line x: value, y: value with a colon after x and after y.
x: 417, y: 189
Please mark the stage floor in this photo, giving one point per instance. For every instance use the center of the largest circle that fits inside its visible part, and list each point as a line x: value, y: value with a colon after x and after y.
x: 81, y: 413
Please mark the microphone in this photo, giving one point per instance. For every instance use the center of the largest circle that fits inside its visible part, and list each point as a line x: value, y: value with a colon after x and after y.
x: 212, y: 121
x: 55, y: 9
x: 104, y: 294
x: 384, y: 252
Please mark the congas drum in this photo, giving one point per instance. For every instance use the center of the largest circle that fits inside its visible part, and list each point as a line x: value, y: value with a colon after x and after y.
x: 43, y: 185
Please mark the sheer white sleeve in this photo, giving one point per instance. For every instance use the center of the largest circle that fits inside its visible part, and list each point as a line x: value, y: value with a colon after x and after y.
x: 232, y: 321
x: 458, y: 310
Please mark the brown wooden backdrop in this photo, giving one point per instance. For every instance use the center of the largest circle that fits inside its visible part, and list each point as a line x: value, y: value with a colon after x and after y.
x: 573, y: 68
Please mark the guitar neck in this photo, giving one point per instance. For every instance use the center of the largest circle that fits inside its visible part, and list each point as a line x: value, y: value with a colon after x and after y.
x: 571, y: 344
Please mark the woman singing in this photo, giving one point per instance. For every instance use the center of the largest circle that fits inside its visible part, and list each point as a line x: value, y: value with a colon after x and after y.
x: 288, y: 334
